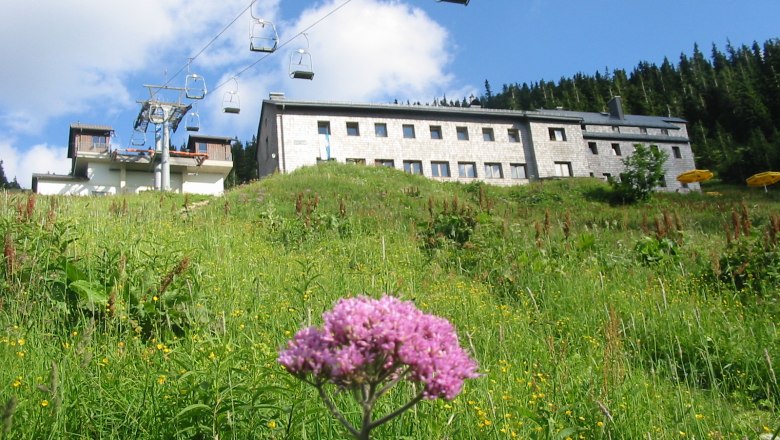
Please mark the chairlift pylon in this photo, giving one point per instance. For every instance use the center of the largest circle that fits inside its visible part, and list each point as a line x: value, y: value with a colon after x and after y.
x: 157, y: 114
x: 230, y: 101
x: 301, y: 64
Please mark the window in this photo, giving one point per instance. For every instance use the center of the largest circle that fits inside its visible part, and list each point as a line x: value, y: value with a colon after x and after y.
x: 518, y: 170
x: 356, y: 161
x: 616, y: 149
x: 654, y: 148
x: 513, y: 135
x: 463, y: 133
x: 99, y: 141
x: 467, y: 169
x: 323, y: 127
x: 643, y: 130
x: 202, y: 147
x: 409, y: 131
x: 493, y: 171
x: 607, y: 176
x: 440, y: 169
x: 593, y: 148
x: 385, y: 163
x: 380, y: 129
x: 435, y: 132
x: 615, y: 129
x: 487, y: 135
x: 662, y: 182
x: 665, y: 131
x: 563, y: 169
x: 413, y: 167
x: 676, y: 153
x: 557, y: 134
x: 353, y: 129
x: 583, y: 127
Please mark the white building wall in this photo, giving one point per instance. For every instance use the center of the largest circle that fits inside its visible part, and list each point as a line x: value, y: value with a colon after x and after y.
x: 202, y: 183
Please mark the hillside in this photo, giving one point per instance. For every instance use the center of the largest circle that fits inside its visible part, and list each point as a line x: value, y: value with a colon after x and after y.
x: 161, y: 316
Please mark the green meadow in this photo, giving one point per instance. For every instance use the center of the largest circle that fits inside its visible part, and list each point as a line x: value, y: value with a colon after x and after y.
x: 160, y: 316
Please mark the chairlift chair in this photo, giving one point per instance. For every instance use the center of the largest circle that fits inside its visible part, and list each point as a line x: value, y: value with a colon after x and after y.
x: 138, y: 139
x: 157, y: 114
x: 193, y: 121
x: 301, y: 66
x: 262, y: 36
x: 195, y: 86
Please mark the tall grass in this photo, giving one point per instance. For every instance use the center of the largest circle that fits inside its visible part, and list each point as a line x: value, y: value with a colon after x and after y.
x: 588, y: 320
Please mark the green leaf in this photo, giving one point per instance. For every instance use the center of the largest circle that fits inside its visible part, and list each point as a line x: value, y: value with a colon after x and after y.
x: 90, y: 295
x: 195, y: 407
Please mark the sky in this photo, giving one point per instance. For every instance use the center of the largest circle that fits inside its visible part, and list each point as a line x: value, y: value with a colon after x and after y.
x: 87, y: 61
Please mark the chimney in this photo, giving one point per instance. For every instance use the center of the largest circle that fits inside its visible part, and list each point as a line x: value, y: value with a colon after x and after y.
x: 616, y: 108
x: 276, y: 96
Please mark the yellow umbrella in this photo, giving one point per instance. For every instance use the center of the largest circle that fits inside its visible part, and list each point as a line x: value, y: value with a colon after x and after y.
x: 764, y: 179
x: 693, y: 176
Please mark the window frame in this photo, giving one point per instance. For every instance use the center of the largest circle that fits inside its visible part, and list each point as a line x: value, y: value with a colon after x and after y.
x: 413, y: 167
x: 462, y: 133
x: 490, y: 168
x: 380, y: 133
x: 568, y: 167
x: 513, y: 135
x: 405, y: 128
x: 389, y: 163
x: 553, y: 131
x: 325, y: 125
x: 353, y: 128
x: 616, y: 151
x: 436, y: 129
x: 594, y: 148
x: 437, y: 166
x: 488, y: 135
x: 518, y: 166
x: 676, y: 152
x: 471, y: 165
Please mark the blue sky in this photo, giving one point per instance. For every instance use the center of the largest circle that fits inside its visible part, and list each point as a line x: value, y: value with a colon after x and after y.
x: 86, y: 61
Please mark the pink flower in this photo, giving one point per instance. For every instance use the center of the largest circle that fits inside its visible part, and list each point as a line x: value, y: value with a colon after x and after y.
x: 364, y: 340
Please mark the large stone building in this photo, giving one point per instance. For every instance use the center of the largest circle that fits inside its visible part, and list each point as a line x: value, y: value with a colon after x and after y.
x: 465, y: 144
x: 98, y: 167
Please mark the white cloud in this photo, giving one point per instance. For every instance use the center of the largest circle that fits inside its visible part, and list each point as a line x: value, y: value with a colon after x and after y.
x: 370, y: 50
x: 42, y: 158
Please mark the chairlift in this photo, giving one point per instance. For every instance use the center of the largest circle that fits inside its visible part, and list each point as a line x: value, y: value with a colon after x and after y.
x: 195, y: 86
x: 157, y: 114
x: 301, y: 65
x: 230, y: 101
x: 193, y: 121
x: 262, y: 36
x: 138, y: 139
x: 460, y: 2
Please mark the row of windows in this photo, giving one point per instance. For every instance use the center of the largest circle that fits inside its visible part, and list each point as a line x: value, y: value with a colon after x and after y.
x: 676, y: 152
x: 642, y: 130
x: 467, y: 170
x: 409, y: 131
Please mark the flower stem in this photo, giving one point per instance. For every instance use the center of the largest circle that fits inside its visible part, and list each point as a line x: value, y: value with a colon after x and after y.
x: 396, y: 413
x: 337, y: 414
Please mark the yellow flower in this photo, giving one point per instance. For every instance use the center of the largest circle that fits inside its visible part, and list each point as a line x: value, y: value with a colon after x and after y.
x: 155, y: 298
x: 21, y: 341
x: 600, y: 424
x: 160, y: 380
x: 18, y: 382
x: 699, y: 416
x: 44, y: 403
x: 271, y: 424
x: 212, y: 356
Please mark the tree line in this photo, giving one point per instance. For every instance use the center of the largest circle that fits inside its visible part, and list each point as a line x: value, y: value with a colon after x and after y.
x: 730, y: 99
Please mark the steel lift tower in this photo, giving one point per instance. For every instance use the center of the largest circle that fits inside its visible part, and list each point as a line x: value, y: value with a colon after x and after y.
x: 166, y: 116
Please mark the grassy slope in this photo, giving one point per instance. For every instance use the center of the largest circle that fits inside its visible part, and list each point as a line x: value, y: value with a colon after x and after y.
x: 575, y: 337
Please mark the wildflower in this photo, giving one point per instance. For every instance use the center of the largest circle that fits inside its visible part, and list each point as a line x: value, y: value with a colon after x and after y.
x: 17, y: 382
x: 44, y: 403
x: 379, y: 343
x: 600, y: 424
x: 161, y: 379
x: 271, y: 424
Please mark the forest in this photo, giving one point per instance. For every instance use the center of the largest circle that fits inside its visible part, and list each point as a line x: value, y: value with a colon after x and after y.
x: 730, y: 99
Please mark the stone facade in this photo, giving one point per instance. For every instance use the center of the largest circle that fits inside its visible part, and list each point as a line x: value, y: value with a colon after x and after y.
x: 465, y: 144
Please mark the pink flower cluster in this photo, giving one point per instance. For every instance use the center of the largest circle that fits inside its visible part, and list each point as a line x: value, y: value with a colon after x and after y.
x: 369, y: 341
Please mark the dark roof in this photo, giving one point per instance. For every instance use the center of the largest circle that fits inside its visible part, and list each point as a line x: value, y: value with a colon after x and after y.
x: 563, y: 115
x: 90, y: 127
x: 593, y: 118
x: 203, y: 137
